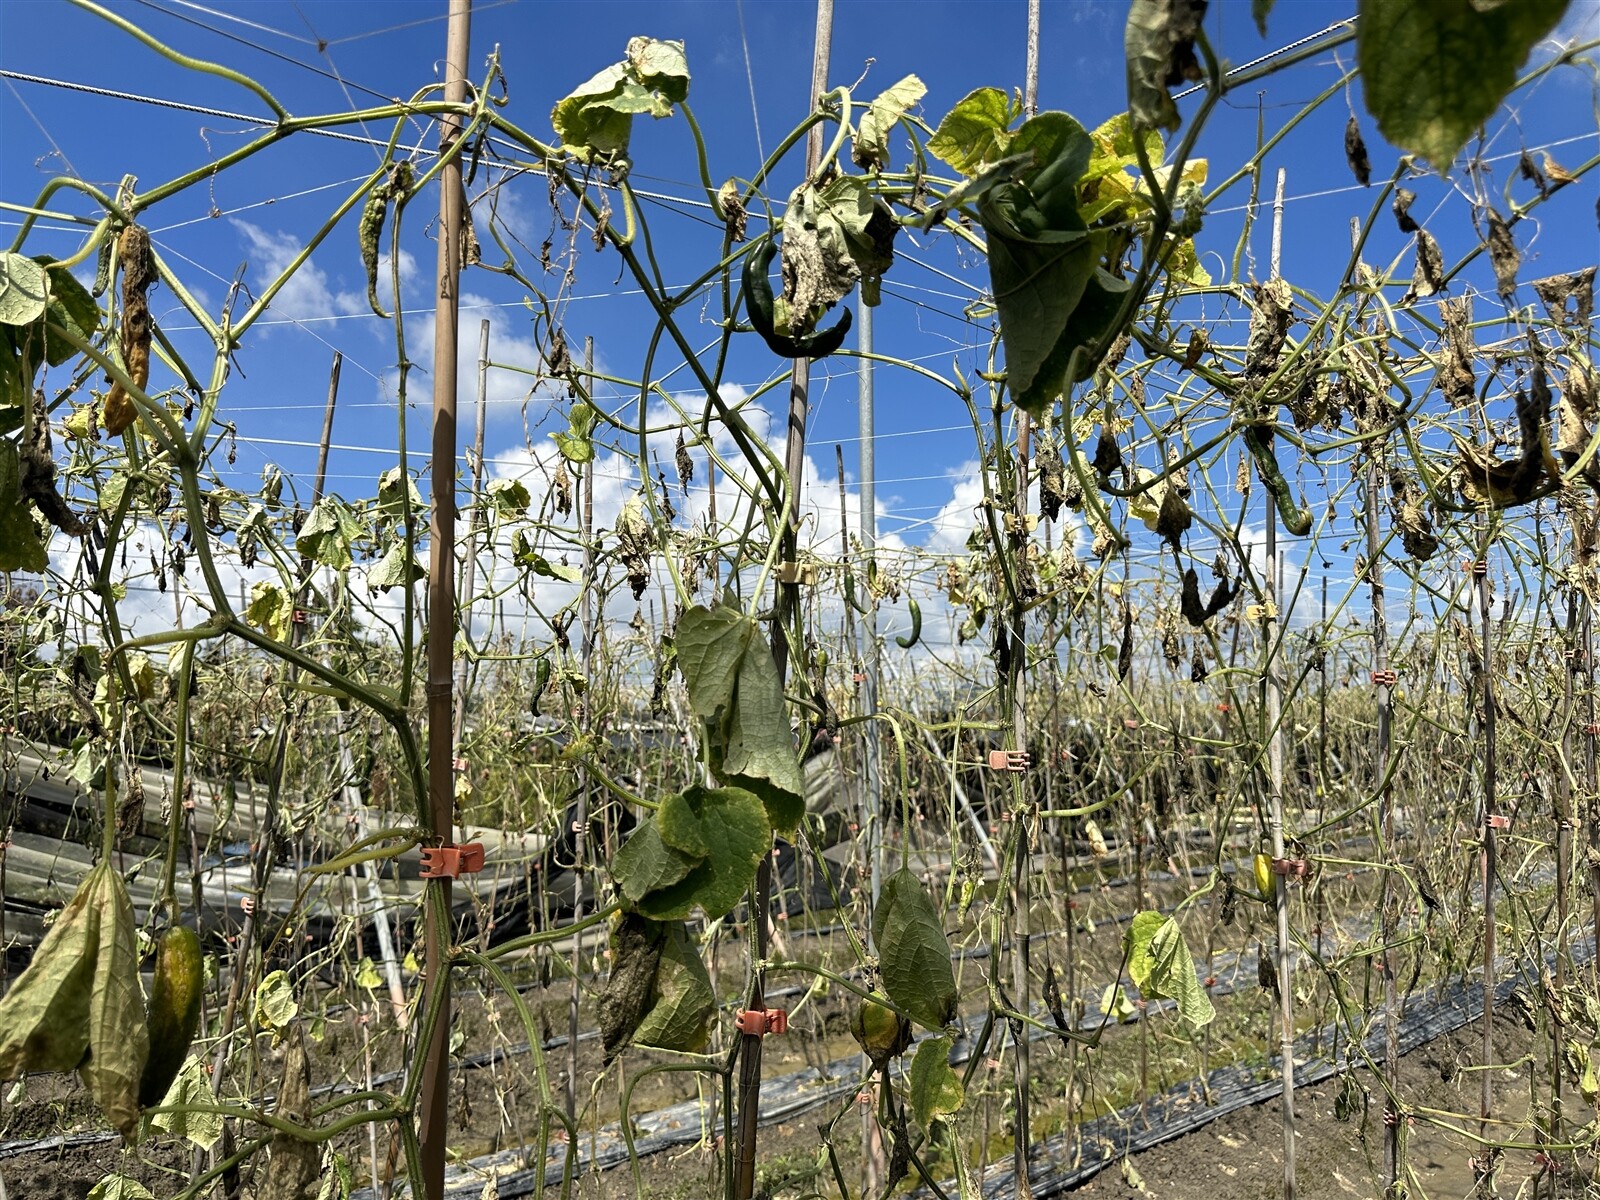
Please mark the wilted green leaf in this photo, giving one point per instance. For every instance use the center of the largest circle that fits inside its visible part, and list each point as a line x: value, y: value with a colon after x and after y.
x: 142, y: 674
x: 24, y: 292
x: 936, y: 1090
x: 395, y: 491
x: 733, y: 687
x: 508, y: 497
x: 976, y: 131
x: 525, y: 553
x: 118, y: 1040
x: 330, y: 531
x: 1432, y: 71
x: 338, y: 1180
x: 275, y: 1002
x: 1261, y: 10
x: 270, y: 610
x: 21, y: 547
x: 595, y: 120
x: 367, y: 973
x: 1116, y: 1005
x: 397, y: 568
x: 1161, y: 966
x: 192, y: 1086
x: 119, y: 1187
x: 913, y: 952
x: 680, y: 1017
x: 1159, y: 44
x: 871, y: 147
x: 728, y: 829
x: 44, y: 1018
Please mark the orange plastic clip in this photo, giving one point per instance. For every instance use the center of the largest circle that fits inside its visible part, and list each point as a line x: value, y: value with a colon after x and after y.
x: 1385, y: 678
x: 1291, y: 868
x: 451, y: 862
x: 1009, y: 760
x: 759, y: 1022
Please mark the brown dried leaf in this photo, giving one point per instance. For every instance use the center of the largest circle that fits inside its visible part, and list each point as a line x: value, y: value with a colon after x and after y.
x: 1403, y: 200
x: 294, y: 1165
x: 1455, y: 374
x: 1504, y: 255
x: 1355, y: 152
x: 1427, y: 277
x: 1576, y: 288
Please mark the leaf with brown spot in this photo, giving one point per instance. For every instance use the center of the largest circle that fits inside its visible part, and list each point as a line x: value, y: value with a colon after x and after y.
x: 1504, y: 255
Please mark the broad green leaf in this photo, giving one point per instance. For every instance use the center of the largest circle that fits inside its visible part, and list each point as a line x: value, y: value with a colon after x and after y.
x: 871, y: 149
x: 330, y: 531
x: 729, y: 830
x: 192, y: 1086
x: 397, y: 568
x: 275, y: 1002
x: 1089, y: 324
x: 24, y: 292
x: 680, y: 1017
x: 913, y: 952
x: 936, y: 1090
x: 119, y: 1187
x: 1136, y: 947
x: 21, y: 547
x: 509, y: 497
x: 733, y: 687
x: 270, y: 610
x: 976, y: 131
x: 660, y: 66
x: 1159, y: 45
x: 119, y: 1042
x: 71, y: 307
x: 646, y: 864
x: 44, y: 1018
x: 1432, y: 71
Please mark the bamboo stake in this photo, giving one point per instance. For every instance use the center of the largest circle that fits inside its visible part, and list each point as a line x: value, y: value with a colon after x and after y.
x: 1272, y: 686
x: 433, y: 1114
x: 788, y: 597
x: 580, y: 827
x: 1388, y: 901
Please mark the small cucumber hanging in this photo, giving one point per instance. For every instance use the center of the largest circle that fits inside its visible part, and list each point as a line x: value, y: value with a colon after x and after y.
x: 906, y: 642
x: 759, y: 301
x: 1296, y: 520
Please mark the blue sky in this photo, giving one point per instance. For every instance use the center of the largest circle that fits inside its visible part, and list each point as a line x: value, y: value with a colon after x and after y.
x: 323, y: 57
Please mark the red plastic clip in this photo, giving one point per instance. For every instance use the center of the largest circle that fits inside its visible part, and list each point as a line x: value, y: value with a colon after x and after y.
x: 1499, y: 821
x: 1384, y: 679
x: 758, y: 1022
x: 1592, y: 728
x: 298, y: 617
x: 1010, y: 760
x: 1130, y: 722
x: 451, y: 862
x: 459, y: 765
x: 1480, y: 567
x: 1291, y: 868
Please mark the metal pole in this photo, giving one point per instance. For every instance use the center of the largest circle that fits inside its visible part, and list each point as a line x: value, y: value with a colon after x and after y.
x: 433, y: 1116
x: 580, y: 826
x: 871, y: 784
x: 744, y: 1173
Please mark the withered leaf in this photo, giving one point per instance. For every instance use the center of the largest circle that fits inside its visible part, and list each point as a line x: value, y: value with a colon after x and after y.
x: 1125, y: 653
x: 1403, y: 200
x: 1556, y: 292
x: 1427, y: 278
x: 1107, y: 459
x: 635, y: 955
x: 293, y: 1164
x: 1530, y: 171
x: 1355, y: 152
x: 1504, y: 255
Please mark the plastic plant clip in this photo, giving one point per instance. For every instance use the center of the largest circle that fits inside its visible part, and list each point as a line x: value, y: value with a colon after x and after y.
x: 451, y: 862
x: 1384, y: 679
x: 1291, y: 868
x: 1475, y: 567
x: 804, y: 574
x: 761, y: 1021
x: 1498, y: 821
x: 1010, y: 760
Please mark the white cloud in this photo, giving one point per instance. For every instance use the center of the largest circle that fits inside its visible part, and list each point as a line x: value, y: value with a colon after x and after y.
x: 307, y: 295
